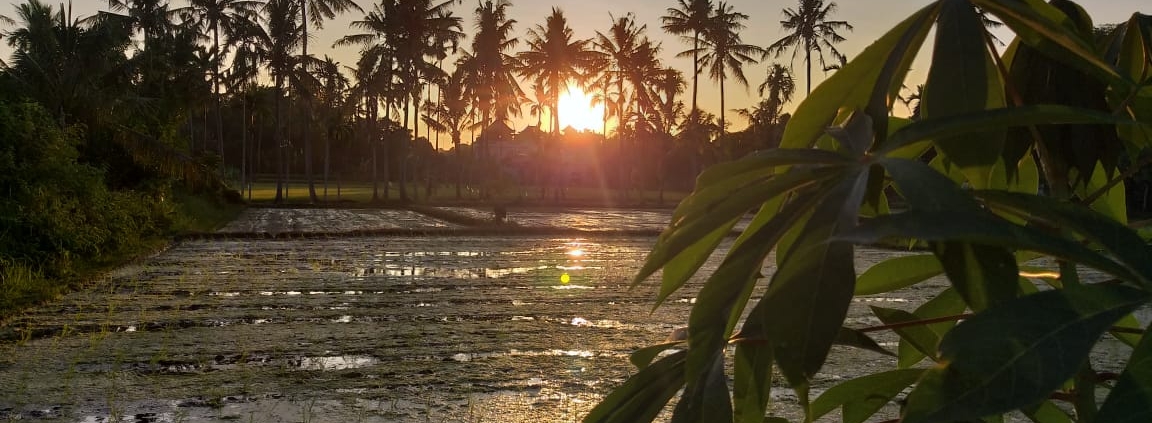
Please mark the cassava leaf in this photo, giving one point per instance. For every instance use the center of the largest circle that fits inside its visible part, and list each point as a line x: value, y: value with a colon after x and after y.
x: 1131, y: 400
x: 1116, y: 238
x: 1017, y: 353
x: 862, y: 397
x: 752, y: 385
x: 812, y: 289
x: 962, y: 79
x: 896, y: 273
x: 641, y: 358
x: 643, y: 395
x: 851, y: 87
x: 998, y: 118
x: 984, y: 275
x: 849, y: 337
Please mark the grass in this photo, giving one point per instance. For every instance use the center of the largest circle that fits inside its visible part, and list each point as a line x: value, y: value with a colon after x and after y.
x: 23, y: 285
x: 361, y: 193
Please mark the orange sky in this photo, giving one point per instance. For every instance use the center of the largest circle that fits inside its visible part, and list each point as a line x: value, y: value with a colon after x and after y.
x: 870, y: 18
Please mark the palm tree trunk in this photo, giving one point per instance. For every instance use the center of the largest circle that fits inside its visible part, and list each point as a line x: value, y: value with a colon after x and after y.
x: 722, y: 121
x: 308, y: 110
x: 372, y: 142
x: 459, y: 165
x: 279, y: 143
x: 695, y: 74
x: 808, y: 61
x: 243, y: 144
x: 216, y: 91
x: 327, y: 163
x: 404, y: 156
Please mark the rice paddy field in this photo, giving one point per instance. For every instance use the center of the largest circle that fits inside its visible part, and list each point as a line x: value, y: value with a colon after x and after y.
x: 452, y: 327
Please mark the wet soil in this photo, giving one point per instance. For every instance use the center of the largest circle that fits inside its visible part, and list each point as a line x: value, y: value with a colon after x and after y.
x: 381, y: 329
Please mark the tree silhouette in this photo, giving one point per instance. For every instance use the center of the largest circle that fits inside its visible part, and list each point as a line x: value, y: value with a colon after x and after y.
x: 725, y: 52
x: 810, y: 30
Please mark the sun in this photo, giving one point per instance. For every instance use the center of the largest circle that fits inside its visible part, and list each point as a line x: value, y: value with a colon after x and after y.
x: 576, y: 110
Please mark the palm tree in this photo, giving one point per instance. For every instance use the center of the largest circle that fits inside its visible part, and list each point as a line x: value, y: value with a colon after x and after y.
x: 692, y: 17
x: 284, y: 35
x: 724, y: 51
x: 619, y: 47
x: 215, y: 16
x: 810, y: 31
x: 451, y: 114
x: 317, y: 11
x: 333, y: 89
x: 554, y: 59
x: 250, y: 40
x: 490, y: 65
x: 780, y: 86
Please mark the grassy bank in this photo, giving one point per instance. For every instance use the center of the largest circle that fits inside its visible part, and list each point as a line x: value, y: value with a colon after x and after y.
x: 360, y: 193
x: 24, y: 285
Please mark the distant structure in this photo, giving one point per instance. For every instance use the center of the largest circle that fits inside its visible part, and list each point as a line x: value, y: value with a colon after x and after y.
x: 531, y: 156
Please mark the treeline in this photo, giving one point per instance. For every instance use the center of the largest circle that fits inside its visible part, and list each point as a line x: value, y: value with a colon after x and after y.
x: 94, y: 164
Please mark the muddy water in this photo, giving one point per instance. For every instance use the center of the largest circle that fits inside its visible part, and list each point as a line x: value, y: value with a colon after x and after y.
x: 384, y: 329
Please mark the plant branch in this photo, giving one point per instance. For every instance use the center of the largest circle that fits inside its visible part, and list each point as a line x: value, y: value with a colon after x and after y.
x: 902, y: 325
x: 1116, y: 181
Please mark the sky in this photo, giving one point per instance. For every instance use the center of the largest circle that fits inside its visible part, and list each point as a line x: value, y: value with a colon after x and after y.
x: 870, y: 19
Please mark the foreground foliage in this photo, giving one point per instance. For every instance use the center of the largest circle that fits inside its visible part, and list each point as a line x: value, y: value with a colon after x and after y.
x: 1015, y: 157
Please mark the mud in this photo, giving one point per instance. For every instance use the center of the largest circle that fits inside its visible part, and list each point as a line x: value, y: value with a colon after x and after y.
x: 374, y: 329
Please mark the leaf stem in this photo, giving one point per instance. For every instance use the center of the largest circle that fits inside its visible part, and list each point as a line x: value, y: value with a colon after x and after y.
x: 902, y: 325
x: 1116, y: 181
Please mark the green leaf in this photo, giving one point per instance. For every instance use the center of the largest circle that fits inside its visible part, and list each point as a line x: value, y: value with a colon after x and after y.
x: 762, y: 164
x: 996, y: 119
x: 1046, y: 412
x: 1116, y: 238
x: 927, y: 189
x: 851, y: 87
x: 752, y: 387
x: 862, y: 397
x: 705, y: 396
x: 898, y: 272
x: 1114, y: 203
x: 1049, y: 30
x: 703, y: 224
x: 641, y: 358
x: 812, y: 289
x: 984, y: 275
x: 1131, y: 399
x: 643, y: 395
x: 856, y: 339
x: 920, y: 337
x: 981, y: 228
x: 1017, y: 353
x: 963, y: 79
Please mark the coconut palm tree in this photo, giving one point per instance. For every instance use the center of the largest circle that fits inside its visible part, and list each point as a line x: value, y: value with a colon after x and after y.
x: 618, y: 47
x: 452, y: 114
x: 690, y: 21
x: 725, y: 52
x: 780, y: 86
x: 284, y: 35
x: 554, y: 58
x: 810, y: 31
x: 490, y: 63
x: 231, y: 17
x: 317, y: 11
x: 250, y: 41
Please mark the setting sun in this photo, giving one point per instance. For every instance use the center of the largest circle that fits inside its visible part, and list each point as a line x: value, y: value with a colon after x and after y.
x: 576, y: 111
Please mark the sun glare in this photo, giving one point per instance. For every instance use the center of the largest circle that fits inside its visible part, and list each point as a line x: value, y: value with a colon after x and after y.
x: 576, y: 111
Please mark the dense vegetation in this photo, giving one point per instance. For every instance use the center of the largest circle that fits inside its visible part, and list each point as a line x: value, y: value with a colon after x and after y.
x: 92, y: 168
x: 1014, y: 155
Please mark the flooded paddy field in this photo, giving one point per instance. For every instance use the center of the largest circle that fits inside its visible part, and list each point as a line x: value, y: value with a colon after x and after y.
x: 375, y: 329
